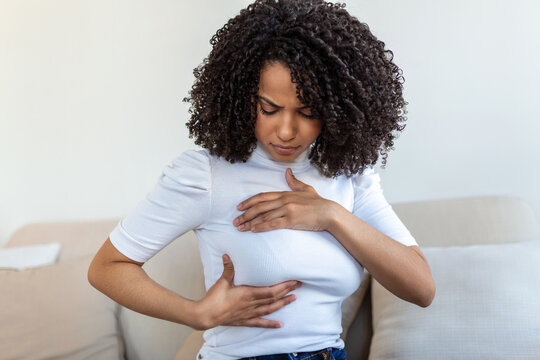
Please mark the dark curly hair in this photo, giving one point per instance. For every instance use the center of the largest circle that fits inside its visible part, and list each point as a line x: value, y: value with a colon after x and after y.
x: 341, y: 70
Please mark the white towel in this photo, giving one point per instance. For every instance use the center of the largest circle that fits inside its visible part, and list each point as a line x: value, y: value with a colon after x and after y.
x: 22, y: 257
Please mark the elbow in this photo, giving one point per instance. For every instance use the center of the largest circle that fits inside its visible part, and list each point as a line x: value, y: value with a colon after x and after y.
x: 91, y: 274
x: 428, y: 295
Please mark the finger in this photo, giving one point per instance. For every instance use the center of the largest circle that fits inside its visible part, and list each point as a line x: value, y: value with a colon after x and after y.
x: 259, y: 322
x: 265, y: 217
x: 265, y: 292
x: 298, y: 184
x: 266, y: 196
x: 228, y: 268
x: 257, y: 209
x: 276, y: 297
x: 274, y: 224
x: 276, y: 305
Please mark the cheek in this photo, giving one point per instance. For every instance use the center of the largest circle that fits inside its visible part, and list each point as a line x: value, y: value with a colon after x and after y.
x: 312, y: 129
x: 259, y: 129
x: 262, y: 126
x: 257, y: 125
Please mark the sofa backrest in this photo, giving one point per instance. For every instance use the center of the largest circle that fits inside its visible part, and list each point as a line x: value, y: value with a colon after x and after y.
x: 78, y: 238
x: 447, y: 222
x: 470, y: 220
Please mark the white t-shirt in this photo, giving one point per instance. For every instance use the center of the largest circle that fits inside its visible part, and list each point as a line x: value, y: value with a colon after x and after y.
x: 200, y: 192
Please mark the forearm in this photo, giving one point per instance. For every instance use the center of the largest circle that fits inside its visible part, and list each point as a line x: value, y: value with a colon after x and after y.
x: 395, y: 266
x: 130, y: 286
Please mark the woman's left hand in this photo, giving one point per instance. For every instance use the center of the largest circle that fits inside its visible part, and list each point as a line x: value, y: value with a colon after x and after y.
x: 300, y: 209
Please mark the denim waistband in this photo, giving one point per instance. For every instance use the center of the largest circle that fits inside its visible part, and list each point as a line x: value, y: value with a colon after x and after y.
x: 322, y: 354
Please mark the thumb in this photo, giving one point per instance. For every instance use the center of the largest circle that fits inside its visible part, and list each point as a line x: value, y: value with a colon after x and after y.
x: 228, y: 268
x: 293, y: 182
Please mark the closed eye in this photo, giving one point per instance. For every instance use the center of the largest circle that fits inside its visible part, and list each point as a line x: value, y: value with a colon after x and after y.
x: 273, y: 112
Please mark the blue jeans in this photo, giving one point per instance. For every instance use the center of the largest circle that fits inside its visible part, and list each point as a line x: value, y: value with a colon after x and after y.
x: 323, y: 354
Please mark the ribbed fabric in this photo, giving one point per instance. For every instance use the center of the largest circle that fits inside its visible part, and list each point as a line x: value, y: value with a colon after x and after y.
x: 200, y: 192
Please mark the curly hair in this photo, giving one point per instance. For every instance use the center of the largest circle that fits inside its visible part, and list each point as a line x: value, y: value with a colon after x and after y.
x: 341, y: 70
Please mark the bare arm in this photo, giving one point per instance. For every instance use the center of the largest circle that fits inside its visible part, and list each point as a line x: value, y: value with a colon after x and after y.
x: 403, y: 270
x: 124, y: 281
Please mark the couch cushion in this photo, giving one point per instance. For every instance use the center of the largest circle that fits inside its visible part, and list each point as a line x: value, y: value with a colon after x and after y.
x: 191, y: 346
x: 351, y: 305
x: 52, y: 312
x: 486, y: 307
x: 179, y: 268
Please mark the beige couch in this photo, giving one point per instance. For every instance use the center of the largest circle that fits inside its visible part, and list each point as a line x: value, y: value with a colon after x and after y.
x: 52, y: 311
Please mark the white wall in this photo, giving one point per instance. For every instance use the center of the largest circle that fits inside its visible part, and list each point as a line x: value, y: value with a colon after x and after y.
x: 91, y: 111
x: 472, y: 82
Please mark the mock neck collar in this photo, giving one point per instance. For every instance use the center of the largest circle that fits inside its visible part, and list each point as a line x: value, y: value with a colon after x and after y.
x: 300, y: 162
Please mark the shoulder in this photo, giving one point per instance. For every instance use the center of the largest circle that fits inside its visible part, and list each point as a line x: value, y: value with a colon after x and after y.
x: 367, y: 182
x: 190, y: 167
x: 193, y: 157
x: 367, y: 176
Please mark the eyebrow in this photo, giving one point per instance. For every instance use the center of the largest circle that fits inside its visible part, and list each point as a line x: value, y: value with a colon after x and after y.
x: 280, y: 107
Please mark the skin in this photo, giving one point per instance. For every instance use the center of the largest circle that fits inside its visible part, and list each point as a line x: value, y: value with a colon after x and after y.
x: 403, y: 270
x: 291, y: 125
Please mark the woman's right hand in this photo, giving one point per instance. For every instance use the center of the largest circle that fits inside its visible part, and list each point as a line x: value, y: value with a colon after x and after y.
x: 243, y: 305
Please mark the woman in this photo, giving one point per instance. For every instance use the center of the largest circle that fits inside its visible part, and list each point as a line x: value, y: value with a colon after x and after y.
x: 299, y: 85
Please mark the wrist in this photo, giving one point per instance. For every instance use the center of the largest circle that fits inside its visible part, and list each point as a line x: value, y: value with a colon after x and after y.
x: 195, y: 316
x: 332, y: 215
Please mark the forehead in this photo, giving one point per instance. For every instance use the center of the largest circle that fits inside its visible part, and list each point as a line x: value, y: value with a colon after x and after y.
x: 276, y: 76
x: 275, y: 82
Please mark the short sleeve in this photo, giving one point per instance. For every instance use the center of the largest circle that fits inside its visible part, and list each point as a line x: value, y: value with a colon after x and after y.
x: 179, y: 202
x: 371, y: 206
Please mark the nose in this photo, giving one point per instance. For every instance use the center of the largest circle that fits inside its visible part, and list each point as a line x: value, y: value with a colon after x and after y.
x: 286, y: 128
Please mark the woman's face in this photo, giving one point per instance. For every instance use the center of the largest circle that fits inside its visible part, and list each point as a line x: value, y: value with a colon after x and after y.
x: 281, y: 119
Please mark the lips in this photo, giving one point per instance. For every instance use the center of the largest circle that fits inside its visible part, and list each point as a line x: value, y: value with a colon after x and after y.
x: 285, y: 150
